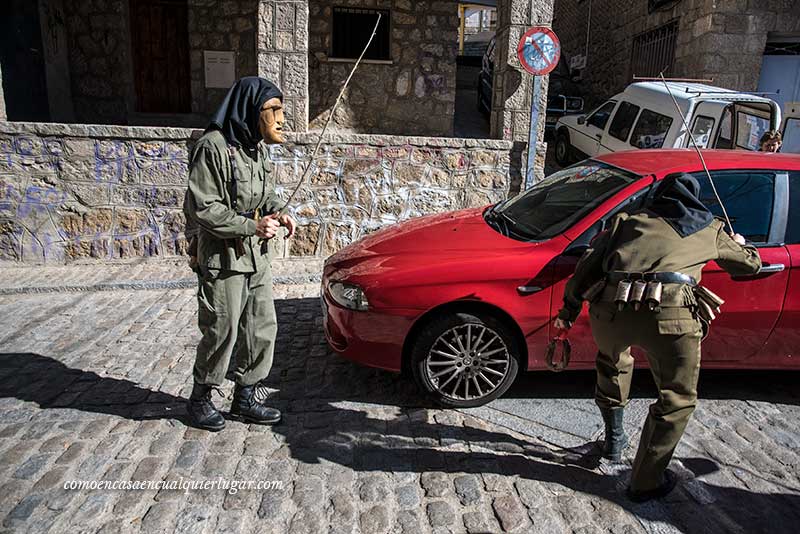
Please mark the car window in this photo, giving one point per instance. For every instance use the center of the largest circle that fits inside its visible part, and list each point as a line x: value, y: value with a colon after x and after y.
x: 793, y: 224
x: 791, y: 136
x: 563, y: 198
x: 724, y: 136
x: 600, y: 117
x: 748, y: 198
x: 701, y: 131
x: 623, y: 120
x: 651, y: 130
x: 750, y: 129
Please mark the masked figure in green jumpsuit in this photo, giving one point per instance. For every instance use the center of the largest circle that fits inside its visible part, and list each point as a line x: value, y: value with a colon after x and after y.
x: 232, y: 204
x: 671, y: 240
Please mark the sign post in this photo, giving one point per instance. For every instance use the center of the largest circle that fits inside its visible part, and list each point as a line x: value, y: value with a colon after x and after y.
x: 538, y: 51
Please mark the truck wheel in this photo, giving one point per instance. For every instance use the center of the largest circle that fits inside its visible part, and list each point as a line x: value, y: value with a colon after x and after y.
x: 462, y: 360
x: 563, y: 149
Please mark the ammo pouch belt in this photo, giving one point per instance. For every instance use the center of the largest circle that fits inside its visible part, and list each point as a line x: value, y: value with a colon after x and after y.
x: 650, y: 290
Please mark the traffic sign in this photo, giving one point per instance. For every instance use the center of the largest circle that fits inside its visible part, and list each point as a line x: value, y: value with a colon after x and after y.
x: 539, y: 50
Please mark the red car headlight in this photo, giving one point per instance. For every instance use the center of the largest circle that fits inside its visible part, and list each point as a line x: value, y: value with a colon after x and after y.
x: 349, y: 296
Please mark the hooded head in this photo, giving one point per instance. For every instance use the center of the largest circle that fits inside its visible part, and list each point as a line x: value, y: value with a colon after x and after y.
x: 238, y: 115
x: 676, y: 201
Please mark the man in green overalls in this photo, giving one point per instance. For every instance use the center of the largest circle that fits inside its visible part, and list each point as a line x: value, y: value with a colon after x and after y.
x: 670, y: 240
x: 232, y: 203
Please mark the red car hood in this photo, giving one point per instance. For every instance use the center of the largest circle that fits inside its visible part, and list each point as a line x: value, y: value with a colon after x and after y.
x: 428, y: 240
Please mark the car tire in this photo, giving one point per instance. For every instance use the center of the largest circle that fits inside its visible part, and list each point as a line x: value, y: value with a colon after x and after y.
x: 563, y: 149
x: 487, y: 377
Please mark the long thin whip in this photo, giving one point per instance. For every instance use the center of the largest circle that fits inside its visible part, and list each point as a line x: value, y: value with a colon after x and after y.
x: 328, y: 121
x: 700, y: 154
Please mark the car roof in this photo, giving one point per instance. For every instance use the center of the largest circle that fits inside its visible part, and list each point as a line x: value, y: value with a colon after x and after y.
x: 683, y: 91
x: 662, y: 162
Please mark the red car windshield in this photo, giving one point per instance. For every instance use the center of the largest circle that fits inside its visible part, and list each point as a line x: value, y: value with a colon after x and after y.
x: 560, y: 200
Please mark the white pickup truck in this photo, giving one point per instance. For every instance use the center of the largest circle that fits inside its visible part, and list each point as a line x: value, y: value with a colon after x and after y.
x: 644, y: 116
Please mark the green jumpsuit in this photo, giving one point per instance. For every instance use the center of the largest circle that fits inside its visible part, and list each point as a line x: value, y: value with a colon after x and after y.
x: 235, y: 304
x: 671, y: 337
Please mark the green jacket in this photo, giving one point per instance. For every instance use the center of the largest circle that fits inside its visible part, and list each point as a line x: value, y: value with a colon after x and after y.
x: 208, y: 204
x: 645, y: 243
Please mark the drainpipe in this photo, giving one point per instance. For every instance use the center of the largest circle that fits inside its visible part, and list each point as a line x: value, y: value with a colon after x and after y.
x: 461, y: 14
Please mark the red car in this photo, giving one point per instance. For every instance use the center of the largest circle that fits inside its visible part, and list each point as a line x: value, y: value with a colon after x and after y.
x: 464, y: 299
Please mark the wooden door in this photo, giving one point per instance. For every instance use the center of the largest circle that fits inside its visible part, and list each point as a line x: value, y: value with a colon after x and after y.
x: 160, y: 39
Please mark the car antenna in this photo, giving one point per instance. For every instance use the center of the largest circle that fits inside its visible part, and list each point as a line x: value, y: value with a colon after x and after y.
x: 699, y: 154
x: 328, y: 121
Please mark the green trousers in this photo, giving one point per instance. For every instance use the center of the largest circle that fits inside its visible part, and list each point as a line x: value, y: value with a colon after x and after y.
x: 671, y: 340
x: 236, y: 313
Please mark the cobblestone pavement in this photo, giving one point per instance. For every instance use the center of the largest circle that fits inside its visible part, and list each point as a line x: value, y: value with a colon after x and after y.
x: 94, y: 369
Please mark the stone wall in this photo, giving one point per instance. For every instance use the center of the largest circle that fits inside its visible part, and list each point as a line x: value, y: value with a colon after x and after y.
x: 86, y: 193
x: 414, y: 94
x: 222, y: 26
x: 100, y: 64
x: 99, y: 60
x: 283, y: 55
x: 723, y: 41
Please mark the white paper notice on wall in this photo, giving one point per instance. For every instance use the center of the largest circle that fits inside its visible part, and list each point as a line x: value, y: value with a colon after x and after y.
x: 220, y: 68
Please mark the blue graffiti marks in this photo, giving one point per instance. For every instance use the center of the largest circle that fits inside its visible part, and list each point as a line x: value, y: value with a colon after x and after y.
x: 126, y: 162
x: 114, y: 162
x: 38, y: 199
x: 22, y: 152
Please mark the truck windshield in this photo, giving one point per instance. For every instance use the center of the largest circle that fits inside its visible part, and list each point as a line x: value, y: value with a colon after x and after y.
x: 559, y: 201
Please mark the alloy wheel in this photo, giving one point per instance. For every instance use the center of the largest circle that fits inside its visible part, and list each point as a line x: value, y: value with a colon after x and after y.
x: 467, y: 362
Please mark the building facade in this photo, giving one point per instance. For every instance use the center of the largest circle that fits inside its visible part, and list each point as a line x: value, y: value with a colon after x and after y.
x: 611, y: 41
x: 100, y: 118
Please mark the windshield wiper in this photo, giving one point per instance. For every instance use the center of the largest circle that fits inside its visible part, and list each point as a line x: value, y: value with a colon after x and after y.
x: 493, y: 216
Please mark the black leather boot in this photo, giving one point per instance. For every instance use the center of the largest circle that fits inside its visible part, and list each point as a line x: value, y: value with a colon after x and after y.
x: 202, y: 412
x: 246, y: 408
x: 668, y: 483
x: 615, y: 438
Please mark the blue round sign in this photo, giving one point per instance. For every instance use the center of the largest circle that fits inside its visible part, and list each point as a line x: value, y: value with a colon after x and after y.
x: 539, y: 50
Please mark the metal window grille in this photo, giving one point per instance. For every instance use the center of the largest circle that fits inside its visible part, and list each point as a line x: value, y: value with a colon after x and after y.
x: 654, y: 51
x: 351, y: 30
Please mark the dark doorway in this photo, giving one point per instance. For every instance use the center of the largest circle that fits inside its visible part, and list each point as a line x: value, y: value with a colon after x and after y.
x: 160, y: 39
x: 22, y: 62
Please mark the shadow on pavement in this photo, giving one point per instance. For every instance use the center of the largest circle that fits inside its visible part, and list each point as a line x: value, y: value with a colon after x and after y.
x: 320, y: 394
x: 51, y: 384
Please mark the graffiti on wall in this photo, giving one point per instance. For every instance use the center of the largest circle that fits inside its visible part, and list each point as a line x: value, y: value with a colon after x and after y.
x: 64, y: 199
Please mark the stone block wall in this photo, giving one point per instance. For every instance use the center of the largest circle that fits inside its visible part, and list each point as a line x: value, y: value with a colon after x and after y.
x: 100, y: 63
x: 414, y: 94
x: 230, y: 25
x: 719, y: 40
x: 283, y: 55
x: 71, y: 193
x: 99, y: 60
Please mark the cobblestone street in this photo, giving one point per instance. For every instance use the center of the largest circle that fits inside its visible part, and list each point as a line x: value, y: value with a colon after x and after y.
x: 95, y: 364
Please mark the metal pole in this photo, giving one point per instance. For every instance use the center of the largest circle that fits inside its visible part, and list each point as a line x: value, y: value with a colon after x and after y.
x: 534, y: 131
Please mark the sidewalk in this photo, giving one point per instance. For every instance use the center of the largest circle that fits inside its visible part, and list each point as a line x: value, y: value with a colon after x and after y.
x: 95, y: 363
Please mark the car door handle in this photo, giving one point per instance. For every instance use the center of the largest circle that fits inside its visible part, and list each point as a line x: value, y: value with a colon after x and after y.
x: 529, y: 290
x: 599, y: 136
x: 772, y: 268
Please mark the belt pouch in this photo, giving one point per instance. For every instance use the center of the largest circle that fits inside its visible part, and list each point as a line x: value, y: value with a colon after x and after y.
x: 623, y: 292
x: 637, y: 293
x: 653, y: 294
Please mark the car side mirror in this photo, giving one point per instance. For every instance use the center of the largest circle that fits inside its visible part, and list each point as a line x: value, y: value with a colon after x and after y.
x: 582, y: 119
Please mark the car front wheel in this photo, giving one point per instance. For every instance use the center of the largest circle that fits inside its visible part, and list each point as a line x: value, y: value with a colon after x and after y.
x: 563, y: 149
x: 463, y: 360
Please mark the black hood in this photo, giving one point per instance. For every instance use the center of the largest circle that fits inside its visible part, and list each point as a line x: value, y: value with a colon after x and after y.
x: 676, y: 201
x: 237, y: 116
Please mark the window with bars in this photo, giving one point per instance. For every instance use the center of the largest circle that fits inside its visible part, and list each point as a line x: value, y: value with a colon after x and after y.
x: 654, y: 51
x: 352, y: 28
